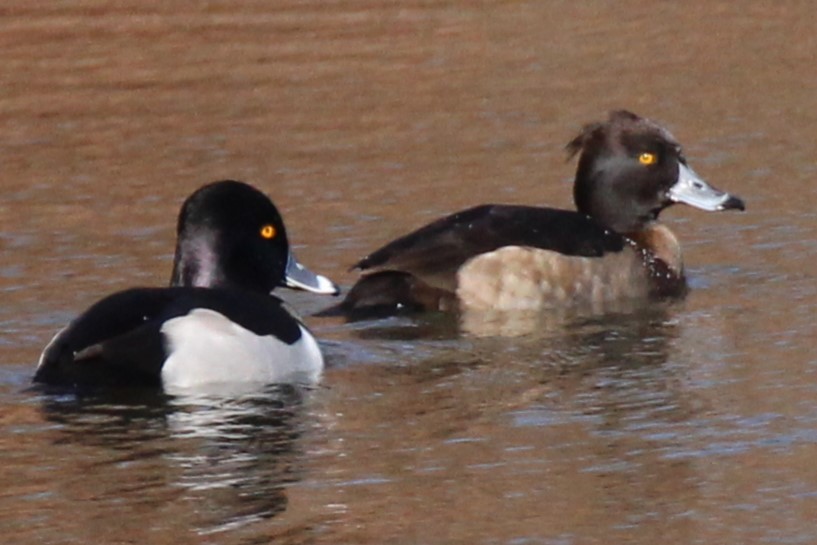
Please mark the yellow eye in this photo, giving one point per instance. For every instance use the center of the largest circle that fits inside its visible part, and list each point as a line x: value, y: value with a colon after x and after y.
x: 647, y: 158
x: 267, y: 232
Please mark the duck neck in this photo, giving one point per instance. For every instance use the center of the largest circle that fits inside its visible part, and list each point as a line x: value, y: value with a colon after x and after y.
x: 661, y: 253
x: 196, y: 265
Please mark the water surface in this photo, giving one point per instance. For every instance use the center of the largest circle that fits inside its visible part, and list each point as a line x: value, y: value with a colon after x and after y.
x: 691, y: 422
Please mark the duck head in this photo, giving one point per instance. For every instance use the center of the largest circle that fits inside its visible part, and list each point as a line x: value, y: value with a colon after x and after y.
x: 631, y: 168
x: 230, y: 235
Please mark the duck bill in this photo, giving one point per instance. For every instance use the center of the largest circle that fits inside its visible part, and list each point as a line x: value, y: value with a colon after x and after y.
x: 691, y: 189
x: 299, y: 277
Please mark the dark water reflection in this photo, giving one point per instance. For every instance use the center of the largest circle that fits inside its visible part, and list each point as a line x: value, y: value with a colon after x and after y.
x: 591, y: 409
x: 222, y: 462
x: 691, y: 422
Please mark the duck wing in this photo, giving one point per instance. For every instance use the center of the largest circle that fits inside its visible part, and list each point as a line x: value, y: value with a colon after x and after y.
x: 435, y: 252
x: 119, y: 341
x: 116, y: 340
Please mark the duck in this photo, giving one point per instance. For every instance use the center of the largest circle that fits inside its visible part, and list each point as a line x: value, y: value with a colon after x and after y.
x: 499, y: 257
x: 217, y: 321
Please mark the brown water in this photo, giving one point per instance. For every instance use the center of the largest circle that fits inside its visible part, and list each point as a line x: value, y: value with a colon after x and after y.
x: 690, y: 423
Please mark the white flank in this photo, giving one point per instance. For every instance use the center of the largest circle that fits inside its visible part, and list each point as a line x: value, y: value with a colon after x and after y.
x: 205, y: 347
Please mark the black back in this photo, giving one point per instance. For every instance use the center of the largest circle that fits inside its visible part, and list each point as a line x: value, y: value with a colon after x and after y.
x: 441, y: 247
x: 118, y: 340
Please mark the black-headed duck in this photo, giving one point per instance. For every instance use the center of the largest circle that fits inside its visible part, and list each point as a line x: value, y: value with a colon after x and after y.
x: 216, y: 323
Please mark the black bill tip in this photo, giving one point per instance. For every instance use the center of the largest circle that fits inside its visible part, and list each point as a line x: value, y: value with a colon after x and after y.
x: 733, y: 203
